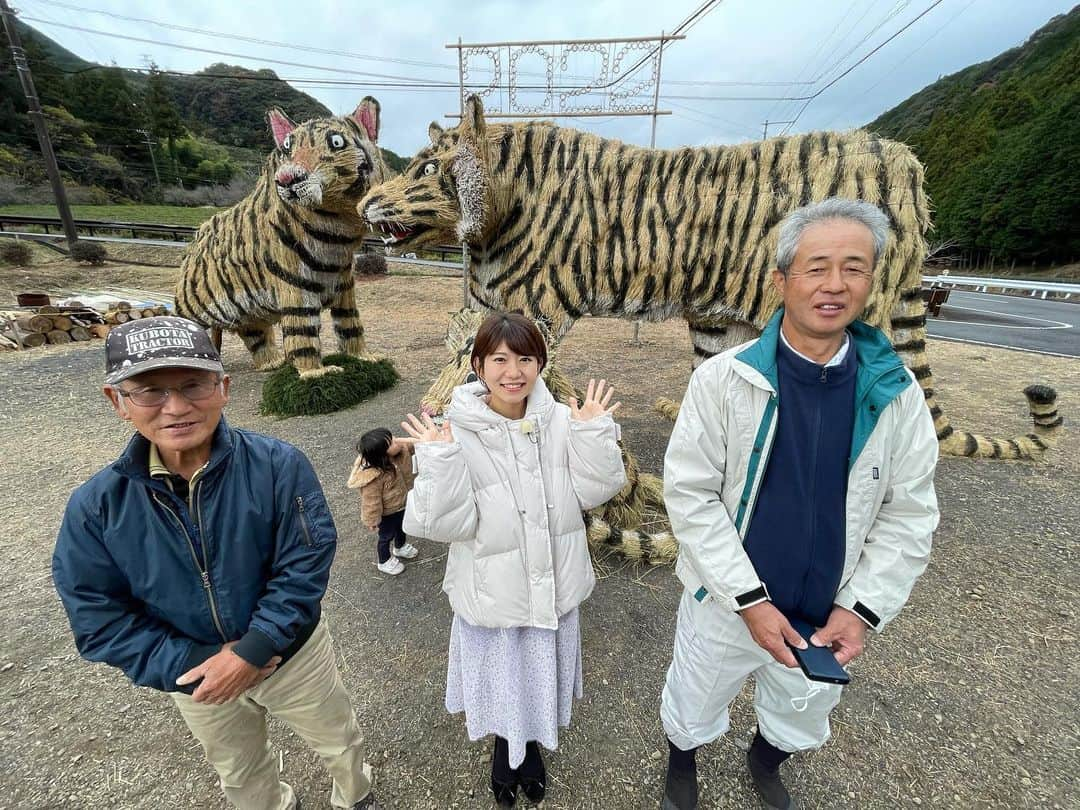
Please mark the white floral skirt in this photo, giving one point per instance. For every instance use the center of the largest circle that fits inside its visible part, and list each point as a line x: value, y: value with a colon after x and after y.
x: 518, y: 683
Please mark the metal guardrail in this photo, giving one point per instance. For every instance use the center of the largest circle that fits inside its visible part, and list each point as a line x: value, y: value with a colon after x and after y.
x: 179, y: 233
x: 51, y: 239
x: 983, y: 284
x: 92, y: 226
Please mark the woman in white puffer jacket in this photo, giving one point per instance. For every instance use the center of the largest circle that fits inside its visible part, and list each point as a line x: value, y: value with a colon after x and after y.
x: 504, y: 481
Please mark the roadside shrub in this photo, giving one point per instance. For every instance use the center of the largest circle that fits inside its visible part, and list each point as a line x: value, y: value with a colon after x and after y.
x: 86, y: 195
x: 221, y: 195
x: 14, y: 191
x: 286, y: 393
x: 89, y: 253
x: 15, y: 252
x: 11, y: 193
x: 369, y: 264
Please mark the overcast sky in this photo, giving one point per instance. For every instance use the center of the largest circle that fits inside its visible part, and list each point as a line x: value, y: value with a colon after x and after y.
x: 786, y: 48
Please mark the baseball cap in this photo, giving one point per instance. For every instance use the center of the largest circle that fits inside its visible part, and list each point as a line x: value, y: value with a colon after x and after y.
x: 165, y: 341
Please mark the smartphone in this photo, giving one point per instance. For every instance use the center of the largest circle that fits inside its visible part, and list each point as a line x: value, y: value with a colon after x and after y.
x: 817, y: 663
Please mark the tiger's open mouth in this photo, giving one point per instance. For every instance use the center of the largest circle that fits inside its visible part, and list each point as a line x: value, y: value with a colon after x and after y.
x: 394, y: 232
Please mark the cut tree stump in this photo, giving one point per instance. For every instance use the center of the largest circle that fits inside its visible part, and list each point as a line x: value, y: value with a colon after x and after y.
x: 29, y: 340
x: 58, y: 336
x: 34, y: 323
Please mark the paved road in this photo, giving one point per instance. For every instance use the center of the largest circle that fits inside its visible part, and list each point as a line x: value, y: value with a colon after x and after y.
x: 1014, y: 322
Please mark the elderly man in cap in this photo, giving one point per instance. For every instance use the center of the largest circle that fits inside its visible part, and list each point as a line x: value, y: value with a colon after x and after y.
x: 196, y: 564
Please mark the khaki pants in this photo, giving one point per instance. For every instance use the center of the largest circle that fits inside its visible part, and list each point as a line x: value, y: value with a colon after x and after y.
x: 307, y: 694
x: 714, y: 655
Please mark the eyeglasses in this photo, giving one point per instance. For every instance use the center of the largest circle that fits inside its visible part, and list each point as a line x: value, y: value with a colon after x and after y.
x: 152, y: 396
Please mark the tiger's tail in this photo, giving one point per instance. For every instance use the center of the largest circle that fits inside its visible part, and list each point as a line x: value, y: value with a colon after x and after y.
x: 908, y: 326
x: 659, y: 548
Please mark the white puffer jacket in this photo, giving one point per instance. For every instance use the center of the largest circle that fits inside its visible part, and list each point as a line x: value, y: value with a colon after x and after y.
x: 508, y: 496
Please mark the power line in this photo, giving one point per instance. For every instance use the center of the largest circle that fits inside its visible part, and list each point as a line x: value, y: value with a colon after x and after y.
x: 400, y: 86
x: 254, y: 40
x: 922, y: 14
x: 891, y: 71
x: 821, y: 44
x: 896, y: 9
x: 226, y: 53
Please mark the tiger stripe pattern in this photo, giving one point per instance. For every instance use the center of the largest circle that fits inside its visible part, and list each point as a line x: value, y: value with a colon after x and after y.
x: 285, y: 252
x: 562, y: 223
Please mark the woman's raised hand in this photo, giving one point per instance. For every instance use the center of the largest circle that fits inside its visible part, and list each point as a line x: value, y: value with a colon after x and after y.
x: 595, y: 402
x: 427, y: 430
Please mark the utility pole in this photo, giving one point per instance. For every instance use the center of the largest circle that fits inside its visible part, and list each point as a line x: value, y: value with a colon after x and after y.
x: 150, y: 145
x: 765, y: 127
x: 22, y: 67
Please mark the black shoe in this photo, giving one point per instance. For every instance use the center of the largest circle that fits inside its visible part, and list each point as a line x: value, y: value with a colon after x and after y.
x: 680, y: 787
x: 763, y: 761
x: 532, y: 775
x: 369, y: 802
x: 504, y: 780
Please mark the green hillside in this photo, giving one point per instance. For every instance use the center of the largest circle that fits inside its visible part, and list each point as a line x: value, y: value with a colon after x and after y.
x: 1001, y: 146
x: 207, y: 131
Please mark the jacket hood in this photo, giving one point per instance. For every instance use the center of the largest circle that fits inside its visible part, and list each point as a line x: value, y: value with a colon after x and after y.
x: 361, y: 476
x: 469, y: 409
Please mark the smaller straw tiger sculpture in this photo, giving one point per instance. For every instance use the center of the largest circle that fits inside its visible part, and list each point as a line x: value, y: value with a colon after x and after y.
x: 285, y: 252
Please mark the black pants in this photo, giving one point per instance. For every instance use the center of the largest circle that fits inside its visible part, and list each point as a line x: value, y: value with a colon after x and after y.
x: 390, y: 529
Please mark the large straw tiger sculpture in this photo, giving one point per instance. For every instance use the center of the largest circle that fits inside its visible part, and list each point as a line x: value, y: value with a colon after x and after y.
x: 285, y: 252
x: 561, y: 223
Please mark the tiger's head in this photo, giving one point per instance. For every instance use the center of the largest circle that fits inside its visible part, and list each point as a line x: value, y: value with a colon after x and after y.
x: 445, y: 193
x: 328, y: 163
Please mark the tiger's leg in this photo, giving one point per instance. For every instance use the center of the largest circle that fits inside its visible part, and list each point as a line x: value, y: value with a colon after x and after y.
x: 347, y: 326
x: 718, y: 335
x: 262, y: 343
x: 709, y: 339
x: 300, y: 324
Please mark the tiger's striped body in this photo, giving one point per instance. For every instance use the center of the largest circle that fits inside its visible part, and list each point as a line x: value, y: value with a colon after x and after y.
x: 285, y: 252
x: 562, y: 223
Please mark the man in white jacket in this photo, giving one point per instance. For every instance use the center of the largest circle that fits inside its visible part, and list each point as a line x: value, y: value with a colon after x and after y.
x: 799, y: 482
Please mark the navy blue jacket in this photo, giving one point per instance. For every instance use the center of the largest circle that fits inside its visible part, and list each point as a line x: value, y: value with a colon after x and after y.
x: 139, y: 597
x: 796, y: 539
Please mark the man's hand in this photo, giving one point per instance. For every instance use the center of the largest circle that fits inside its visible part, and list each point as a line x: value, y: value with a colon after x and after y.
x: 226, y: 676
x: 770, y: 630
x: 844, y: 632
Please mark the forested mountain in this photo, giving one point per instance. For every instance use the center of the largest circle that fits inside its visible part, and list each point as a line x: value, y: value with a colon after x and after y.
x: 1001, y: 144
x: 134, y: 134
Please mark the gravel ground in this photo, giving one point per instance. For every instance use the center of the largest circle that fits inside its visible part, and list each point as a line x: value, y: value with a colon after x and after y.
x: 968, y: 700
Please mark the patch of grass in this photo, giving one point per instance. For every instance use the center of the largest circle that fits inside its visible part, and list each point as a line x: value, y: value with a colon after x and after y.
x: 165, y: 214
x: 286, y: 393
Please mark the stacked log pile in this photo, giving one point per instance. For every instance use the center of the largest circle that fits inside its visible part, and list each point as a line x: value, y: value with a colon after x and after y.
x: 32, y: 327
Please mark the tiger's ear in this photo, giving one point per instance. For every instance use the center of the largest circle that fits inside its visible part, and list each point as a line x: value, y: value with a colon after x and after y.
x: 472, y: 123
x: 367, y: 114
x: 280, y: 124
x: 433, y: 133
